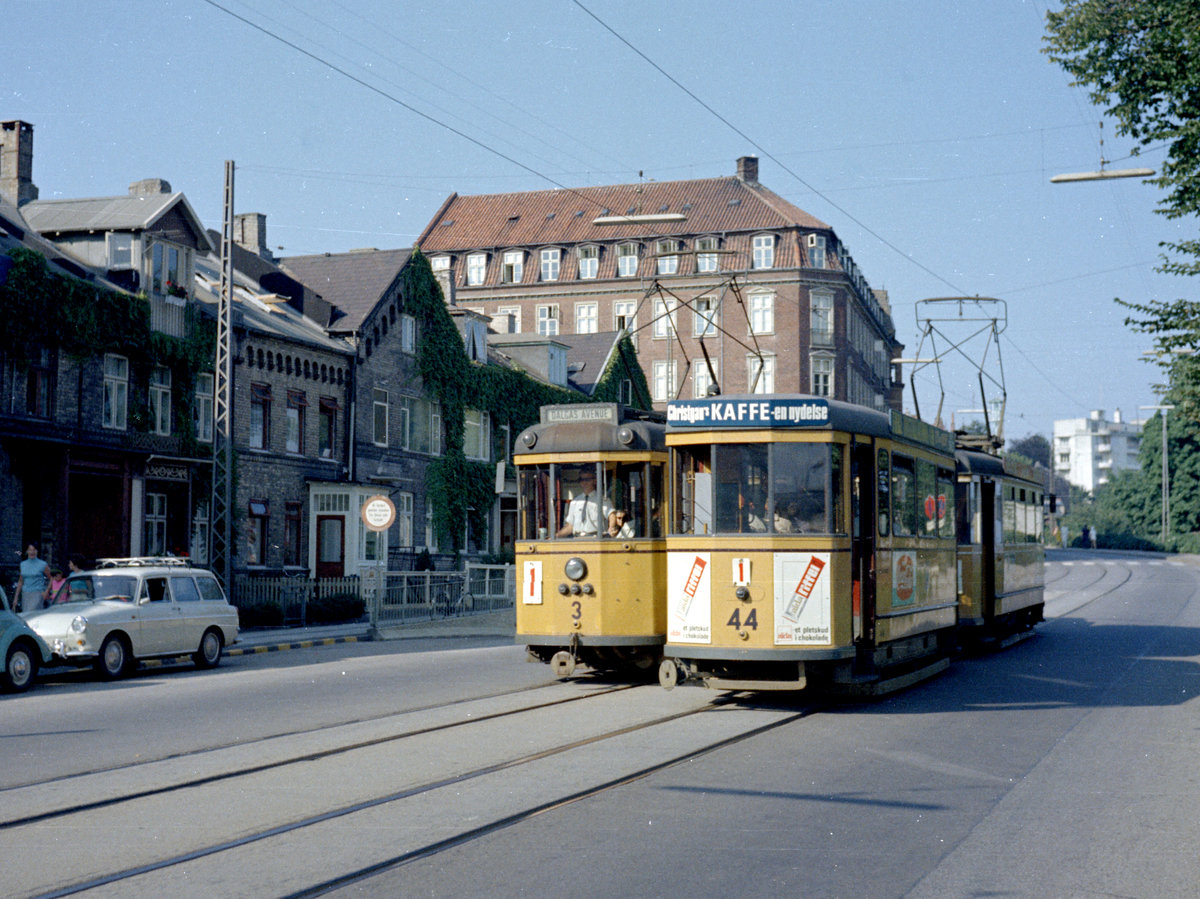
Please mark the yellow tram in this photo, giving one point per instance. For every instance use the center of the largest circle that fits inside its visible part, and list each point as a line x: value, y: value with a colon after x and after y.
x: 590, y: 550
x: 1001, y: 555
x: 812, y: 542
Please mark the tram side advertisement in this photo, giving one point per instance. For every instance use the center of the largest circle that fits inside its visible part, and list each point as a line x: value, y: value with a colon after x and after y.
x: 689, y: 598
x: 802, y: 599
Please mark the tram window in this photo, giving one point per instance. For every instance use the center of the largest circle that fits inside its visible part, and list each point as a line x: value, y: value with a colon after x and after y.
x: 692, y: 507
x: 965, y: 502
x: 883, y: 504
x: 927, y: 498
x: 627, y: 492
x: 904, y: 497
x: 740, y: 472
x: 655, y: 497
x: 945, y: 503
x: 582, y: 506
x: 534, y: 489
x: 800, y: 475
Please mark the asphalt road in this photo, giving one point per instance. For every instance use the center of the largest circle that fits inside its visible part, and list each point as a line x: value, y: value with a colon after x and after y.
x: 1064, y: 766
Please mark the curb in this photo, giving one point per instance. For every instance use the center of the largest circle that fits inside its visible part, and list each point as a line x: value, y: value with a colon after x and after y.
x: 295, y: 644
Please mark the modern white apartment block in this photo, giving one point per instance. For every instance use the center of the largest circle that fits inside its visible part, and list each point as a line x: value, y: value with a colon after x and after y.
x: 1088, y: 451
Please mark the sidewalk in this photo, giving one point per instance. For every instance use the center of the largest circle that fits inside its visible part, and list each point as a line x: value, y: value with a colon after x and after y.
x: 501, y: 623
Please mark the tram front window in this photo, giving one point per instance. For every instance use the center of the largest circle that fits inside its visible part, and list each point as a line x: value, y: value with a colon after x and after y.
x: 585, y: 499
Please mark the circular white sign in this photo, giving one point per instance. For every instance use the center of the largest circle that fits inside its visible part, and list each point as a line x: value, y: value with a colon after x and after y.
x: 378, y: 513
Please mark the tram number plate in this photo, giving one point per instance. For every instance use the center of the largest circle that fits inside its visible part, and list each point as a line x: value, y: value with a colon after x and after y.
x: 576, y: 610
x: 737, y: 623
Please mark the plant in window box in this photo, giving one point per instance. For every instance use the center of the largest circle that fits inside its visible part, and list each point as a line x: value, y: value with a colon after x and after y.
x: 176, y: 290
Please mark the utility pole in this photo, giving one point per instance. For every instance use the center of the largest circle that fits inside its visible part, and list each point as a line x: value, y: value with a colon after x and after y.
x: 221, y: 554
x: 1166, y: 483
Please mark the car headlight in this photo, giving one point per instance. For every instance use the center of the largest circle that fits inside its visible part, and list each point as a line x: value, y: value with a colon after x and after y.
x: 575, y: 568
x: 78, y: 624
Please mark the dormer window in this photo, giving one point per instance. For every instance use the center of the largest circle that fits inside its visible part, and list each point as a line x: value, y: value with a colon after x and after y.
x: 706, y: 254
x: 169, y: 275
x: 513, y: 270
x: 476, y: 268
x: 668, y: 259
x: 589, y: 262
x: 440, y: 263
x: 627, y: 260
x: 764, y: 251
x: 551, y: 262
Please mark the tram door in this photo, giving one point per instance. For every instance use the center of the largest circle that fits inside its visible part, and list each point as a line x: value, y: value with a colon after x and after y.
x: 988, y: 538
x: 862, y: 543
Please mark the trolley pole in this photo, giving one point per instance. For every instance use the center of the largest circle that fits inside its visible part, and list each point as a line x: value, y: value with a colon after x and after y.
x: 1166, y: 481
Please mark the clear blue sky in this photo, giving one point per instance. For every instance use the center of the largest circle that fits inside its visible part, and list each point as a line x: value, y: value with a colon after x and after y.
x: 925, y: 133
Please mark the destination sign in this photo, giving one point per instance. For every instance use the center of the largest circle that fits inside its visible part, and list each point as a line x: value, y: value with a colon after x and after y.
x: 603, y: 412
x: 765, y: 413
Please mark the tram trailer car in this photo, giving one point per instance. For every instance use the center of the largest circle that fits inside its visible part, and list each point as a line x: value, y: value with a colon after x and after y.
x: 812, y: 542
x: 590, y: 551
x: 1001, y: 556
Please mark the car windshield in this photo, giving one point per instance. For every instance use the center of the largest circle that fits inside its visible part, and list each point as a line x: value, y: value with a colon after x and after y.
x: 91, y: 587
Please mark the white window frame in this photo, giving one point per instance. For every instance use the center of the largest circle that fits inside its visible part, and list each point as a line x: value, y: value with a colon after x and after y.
x: 766, y: 381
x: 379, y: 417
x: 120, y: 250
x: 627, y: 263
x: 476, y: 269
x: 700, y: 378
x: 154, y: 525
x: 821, y: 368
x: 764, y: 251
x: 664, y: 318
x: 707, y: 261
x: 116, y: 392
x: 514, y: 312
x: 663, y: 380
x: 435, y: 429
x: 704, y: 321
x: 440, y: 263
x: 476, y: 434
x: 205, y: 398
x: 816, y: 251
x: 626, y: 309
x: 408, y: 334
x: 587, y: 318
x: 551, y: 263
x: 512, y: 271
x: 821, y: 316
x: 589, y: 262
x: 160, y: 400
x: 547, y: 320
x: 762, y: 313
x: 667, y: 261
x: 404, y: 519
x: 404, y: 408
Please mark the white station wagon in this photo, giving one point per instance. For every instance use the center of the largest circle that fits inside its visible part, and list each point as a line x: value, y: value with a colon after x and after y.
x: 130, y: 609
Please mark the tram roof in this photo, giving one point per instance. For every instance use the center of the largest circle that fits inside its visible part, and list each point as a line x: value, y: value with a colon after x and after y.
x: 628, y: 436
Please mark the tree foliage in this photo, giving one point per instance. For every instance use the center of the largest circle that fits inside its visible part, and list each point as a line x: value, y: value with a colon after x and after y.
x: 1140, y: 59
x: 1033, y: 447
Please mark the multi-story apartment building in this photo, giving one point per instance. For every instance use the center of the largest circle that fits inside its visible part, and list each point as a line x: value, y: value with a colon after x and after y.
x: 723, y: 284
x: 1088, y: 451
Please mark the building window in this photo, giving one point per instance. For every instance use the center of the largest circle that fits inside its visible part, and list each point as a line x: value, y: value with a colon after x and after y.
x: 664, y: 381
x: 508, y: 320
x: 664, y: 318
x: 822, y: 318
x: 160, y: 400
x: 476, y: 268
x: 816, y: 250
x: 260, y: 416
x: 667, y: 252
x: 760, y: 374
x: 326, y: 426
x: 476, y: 434
x: 39, y: 384
x: 292, y: 542
x: 589, y: 262
x: 256, y: 532
x: 430, y: 531
x: 297, y: 402
x: 408, y: 334
x: 547, y: 320
x: 154, y: 530
x: 625, y: 315
x: 169, y: 271
x: 379, y: 433
x: 704, y: 323
x: 764, y: 251
x: 440, y: 264
x: 204, y: 407
x: 116, y: 391
x: 199, y: 548
x: 587, y: 318
x: 706, y: 256
x: 551, y: 261
x: 625, y: 392
x: 513, y: 271
x: 762, y: 313
x: 435, y: 428
x: 822, y: 375
x: 120, y: 250
x: 404, y: 411
x: 627, y: 260
x: 703, y: 379
x: 404, y: 519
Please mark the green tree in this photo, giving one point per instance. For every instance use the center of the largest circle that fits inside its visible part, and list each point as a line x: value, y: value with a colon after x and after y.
x: 1033, y: 447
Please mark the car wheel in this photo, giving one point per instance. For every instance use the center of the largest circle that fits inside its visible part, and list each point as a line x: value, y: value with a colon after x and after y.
x: 114, y: 658
x: 209, y: 653
x: 20, y: 669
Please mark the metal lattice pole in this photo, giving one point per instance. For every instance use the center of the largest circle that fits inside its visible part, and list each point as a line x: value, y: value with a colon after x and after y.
x: 221, y: 553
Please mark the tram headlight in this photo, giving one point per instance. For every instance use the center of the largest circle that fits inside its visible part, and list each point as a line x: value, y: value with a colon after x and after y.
x: 575, y: 569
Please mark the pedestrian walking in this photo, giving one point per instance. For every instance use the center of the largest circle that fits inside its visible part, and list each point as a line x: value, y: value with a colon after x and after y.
x: 32, y: 586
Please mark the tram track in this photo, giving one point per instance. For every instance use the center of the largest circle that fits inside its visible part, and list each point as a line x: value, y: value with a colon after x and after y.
x: 412, y: 801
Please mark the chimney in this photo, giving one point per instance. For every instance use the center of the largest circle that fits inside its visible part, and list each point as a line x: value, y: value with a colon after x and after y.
x: 747, y: 168
x: 148, y: 187
x: 250, y: 233
x: 16, y: 162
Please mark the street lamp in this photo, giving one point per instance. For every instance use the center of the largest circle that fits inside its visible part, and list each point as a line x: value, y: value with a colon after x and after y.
x: 1166, y: 487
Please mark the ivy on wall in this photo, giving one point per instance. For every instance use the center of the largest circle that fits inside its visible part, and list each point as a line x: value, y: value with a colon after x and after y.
x: 459, y: 487
x: 85, y: 321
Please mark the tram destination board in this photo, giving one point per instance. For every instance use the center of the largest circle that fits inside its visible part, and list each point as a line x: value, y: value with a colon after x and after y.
x: 781, y: 412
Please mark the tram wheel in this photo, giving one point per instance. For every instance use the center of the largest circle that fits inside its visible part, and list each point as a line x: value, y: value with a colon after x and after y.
x: 563, y: 664
x: 668, y: 674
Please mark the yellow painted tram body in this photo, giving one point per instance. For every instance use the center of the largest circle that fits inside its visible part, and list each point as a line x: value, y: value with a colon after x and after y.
x: 1001, y: 556
x: 592, y: 580
x: 811, y: 541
